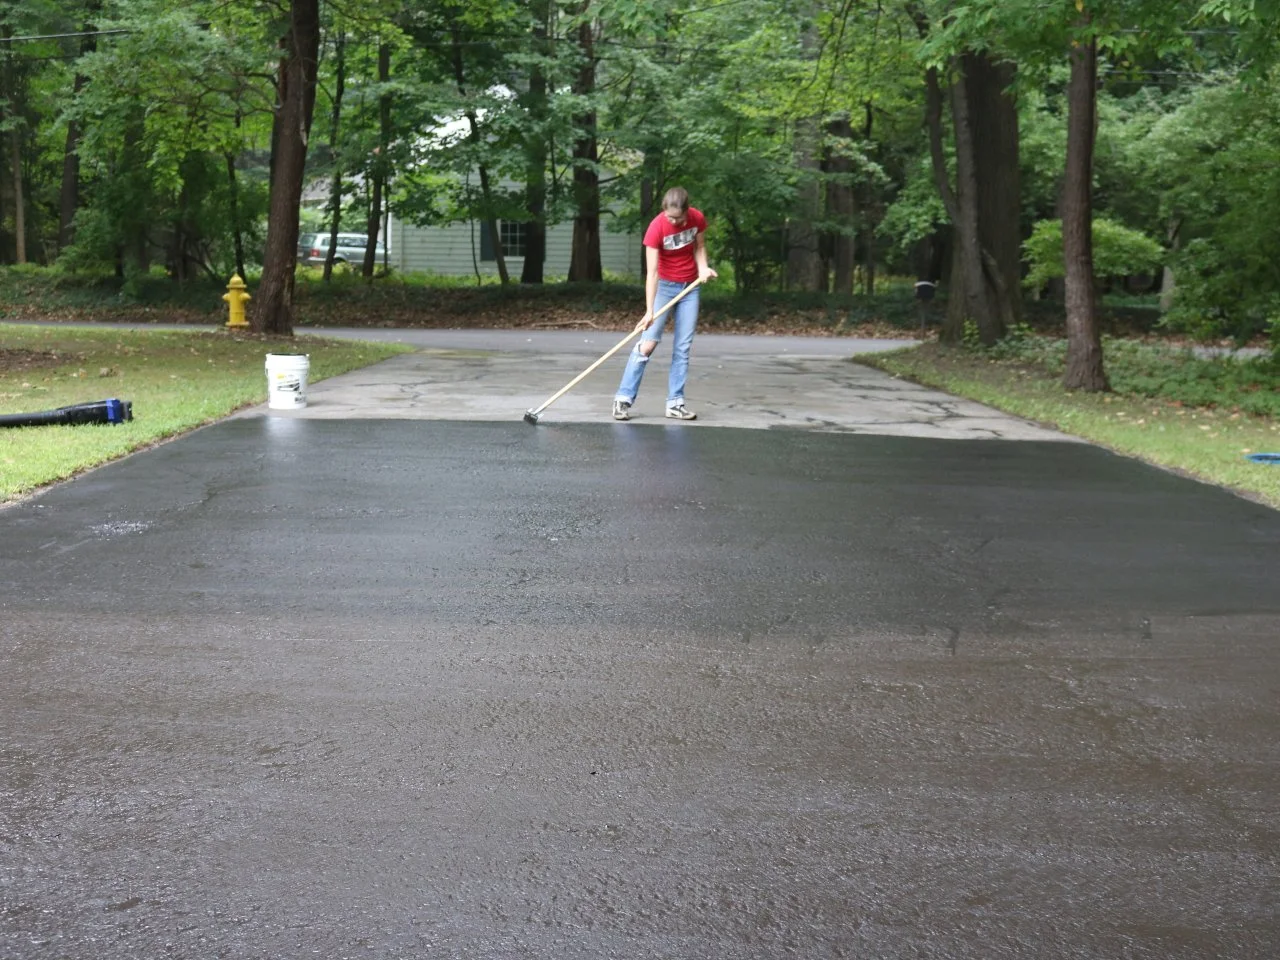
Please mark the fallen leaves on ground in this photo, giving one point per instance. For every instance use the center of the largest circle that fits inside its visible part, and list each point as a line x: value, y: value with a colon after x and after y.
x: 20, y: 361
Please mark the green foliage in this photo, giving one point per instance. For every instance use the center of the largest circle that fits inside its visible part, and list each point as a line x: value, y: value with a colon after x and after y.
x: 917, y: 211
x: 709, y: 95
x: 1249, y: 385
x: 162, y: 106
x: 1256, y: 24
x: 1216, y: 151
x: 1117, y: 251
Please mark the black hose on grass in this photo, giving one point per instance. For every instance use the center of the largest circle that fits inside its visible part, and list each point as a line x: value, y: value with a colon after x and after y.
x: 101, y: 411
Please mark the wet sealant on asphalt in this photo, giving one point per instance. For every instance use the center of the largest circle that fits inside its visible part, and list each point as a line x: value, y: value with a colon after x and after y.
x: 390, y: 688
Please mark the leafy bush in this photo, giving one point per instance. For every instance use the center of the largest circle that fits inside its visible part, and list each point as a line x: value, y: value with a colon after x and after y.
x: 1117, y: 251
x: 1225, y: 291
x: 1209, y: 160
x: 1248, y: 384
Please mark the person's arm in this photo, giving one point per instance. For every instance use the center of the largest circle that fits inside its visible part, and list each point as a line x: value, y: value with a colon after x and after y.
x: 650, y: 286
x: 705, y: 272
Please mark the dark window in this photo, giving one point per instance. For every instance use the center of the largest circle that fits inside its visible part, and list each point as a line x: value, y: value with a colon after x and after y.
x: 514, y: 235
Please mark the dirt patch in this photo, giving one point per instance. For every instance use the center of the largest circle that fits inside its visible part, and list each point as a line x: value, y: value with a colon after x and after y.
x: 20, y: 361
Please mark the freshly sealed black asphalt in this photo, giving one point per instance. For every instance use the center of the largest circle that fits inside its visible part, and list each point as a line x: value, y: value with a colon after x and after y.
x: 295, y: 688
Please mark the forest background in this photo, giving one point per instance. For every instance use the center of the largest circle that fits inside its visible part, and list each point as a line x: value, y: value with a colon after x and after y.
x: 1018, y: 151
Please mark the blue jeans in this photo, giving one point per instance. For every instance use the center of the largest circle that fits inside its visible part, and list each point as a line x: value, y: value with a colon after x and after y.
x: 686, y: 322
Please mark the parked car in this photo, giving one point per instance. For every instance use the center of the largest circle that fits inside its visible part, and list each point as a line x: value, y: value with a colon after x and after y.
x: 314, y: 247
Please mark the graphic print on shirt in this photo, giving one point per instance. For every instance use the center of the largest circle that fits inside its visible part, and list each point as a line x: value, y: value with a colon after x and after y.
x: 675, y: 241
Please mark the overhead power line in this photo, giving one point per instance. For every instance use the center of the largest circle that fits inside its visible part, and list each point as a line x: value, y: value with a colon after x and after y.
x: 709, y: 7
x: 65, y: 36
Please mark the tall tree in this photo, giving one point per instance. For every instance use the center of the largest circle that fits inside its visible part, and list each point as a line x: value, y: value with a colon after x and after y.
x: 1084, y: 366
x: 476, y: 140
x: 300, y: 48
x: 985, y: 285
x: 584, y: 259
x: 335, y: 130
x: 985, y: 204
x: 12, y: 123
x: 535, y: 146
x: 233, y: 190
x: 381, y: 166
x: 840, y: 205
x: 1040, y: 38
x: 806, y: 267
x: 69, y: 192
x: 164, y: 112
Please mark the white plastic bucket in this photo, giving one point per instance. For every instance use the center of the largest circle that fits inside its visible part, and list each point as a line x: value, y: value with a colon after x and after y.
x: 287, y: 380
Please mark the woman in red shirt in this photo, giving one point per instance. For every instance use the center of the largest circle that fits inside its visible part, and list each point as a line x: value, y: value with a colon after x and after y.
x: 675, y: 256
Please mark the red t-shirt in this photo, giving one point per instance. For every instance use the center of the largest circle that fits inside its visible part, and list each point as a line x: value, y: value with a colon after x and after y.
x: 675, y: 245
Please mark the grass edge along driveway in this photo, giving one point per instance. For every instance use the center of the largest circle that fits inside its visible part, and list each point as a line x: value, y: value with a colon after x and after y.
x: 1207, y: 443
x: 177, y: 381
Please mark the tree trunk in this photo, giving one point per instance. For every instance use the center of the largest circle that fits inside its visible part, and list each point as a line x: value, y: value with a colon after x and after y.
x: 535, y: 153
x: 380, y: 163
x: 985, y: 205
x: 647, y: 201
x: 233, y: 186
x: 840, y: 207
x: 486, y: 196
x: 652, y: 186
x: 584, y: 258
x: 1168, y: 282
x: 996, y: 142
x: 178, y: 242
x: 495, y: 234
x: 10, y: 94
x: 868, y: 219
x: 806, y: 269
x: 535, y: 204
x: 135, y: 231
x: 237, y: 231
x: 335, y: 128
x: 69, y: 193
x: 290, y: 132
x: 969, y: 301
x: 19, y: 197
x: 1084, y: 368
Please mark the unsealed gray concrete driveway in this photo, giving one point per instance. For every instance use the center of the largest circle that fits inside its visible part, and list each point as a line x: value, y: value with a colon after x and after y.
x: 373, y: 686
x: 735, y: 381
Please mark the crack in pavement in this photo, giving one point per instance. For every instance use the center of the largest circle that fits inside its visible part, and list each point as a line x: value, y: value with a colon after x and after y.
x: 819, y: 393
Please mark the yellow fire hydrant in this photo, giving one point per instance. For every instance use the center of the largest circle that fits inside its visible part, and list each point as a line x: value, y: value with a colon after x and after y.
x: 236, y: 298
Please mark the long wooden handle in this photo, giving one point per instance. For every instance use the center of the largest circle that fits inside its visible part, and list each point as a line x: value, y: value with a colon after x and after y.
x: 618, y: 346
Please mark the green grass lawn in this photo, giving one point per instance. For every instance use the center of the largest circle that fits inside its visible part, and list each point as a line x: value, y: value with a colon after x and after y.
x: 175, y: 380
x: 1193, y: 415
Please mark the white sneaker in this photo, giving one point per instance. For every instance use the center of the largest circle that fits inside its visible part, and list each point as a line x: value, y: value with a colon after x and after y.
x: 681, y: 412
x: 621, y: 410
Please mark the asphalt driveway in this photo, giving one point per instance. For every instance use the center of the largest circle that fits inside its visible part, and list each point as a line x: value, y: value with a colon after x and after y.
x: 399, y: 687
